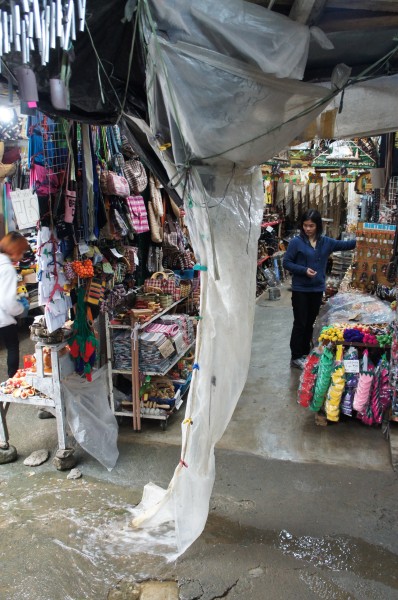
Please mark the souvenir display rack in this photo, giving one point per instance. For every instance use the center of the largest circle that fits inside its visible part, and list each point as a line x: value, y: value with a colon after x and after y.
x: 135, y: 328
x: 372, y: 255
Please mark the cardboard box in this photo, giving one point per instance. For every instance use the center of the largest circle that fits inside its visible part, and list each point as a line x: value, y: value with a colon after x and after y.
x: 30, y: 278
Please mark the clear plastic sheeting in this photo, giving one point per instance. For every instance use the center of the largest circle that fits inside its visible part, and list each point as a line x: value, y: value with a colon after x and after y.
x: 223, y: 342
x: 241, y: 114
x: 239, y: 30
x: 376, y: 99
x: 354, y: 307
x: 216, y: 93
x: 90, y: 418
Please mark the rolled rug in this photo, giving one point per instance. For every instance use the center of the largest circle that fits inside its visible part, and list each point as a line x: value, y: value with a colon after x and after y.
x: 322, y: 383
x: 308, y: 377
x: 362, y: 393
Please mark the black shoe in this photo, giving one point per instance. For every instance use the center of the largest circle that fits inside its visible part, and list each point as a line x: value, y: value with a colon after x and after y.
x: 297, y: 363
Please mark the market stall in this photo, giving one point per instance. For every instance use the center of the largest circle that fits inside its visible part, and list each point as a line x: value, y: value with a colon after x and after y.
x: 347, y: 373
x: 111, y: 268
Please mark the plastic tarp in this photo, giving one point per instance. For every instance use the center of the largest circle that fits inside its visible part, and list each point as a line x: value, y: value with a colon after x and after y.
x: 90, y: 417
x: 211, y: 95
x: 368, y: 108
x: 355, y: 307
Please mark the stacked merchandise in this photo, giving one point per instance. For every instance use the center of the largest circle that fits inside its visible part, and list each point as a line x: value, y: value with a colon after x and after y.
x: 159, y: 344
x: 341, y: 263
x: 26, y: 272
x: 342, y: 382
x: 163, y: 340
x: 350, y: 373
x: 394, y: 371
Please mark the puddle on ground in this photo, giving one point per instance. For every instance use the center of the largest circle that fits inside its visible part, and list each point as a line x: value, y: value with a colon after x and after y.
x: 73, y: 540
x: 337, y: 553
x: 344, y: 553
x: 70, y: 539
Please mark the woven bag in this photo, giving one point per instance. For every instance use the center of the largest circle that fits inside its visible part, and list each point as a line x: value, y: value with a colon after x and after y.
x: 136, y: 176
x: 185, y: 286
x: 117, y: 185
x: 165, y: 300
x: 156, y: 197
x: 155, y: 225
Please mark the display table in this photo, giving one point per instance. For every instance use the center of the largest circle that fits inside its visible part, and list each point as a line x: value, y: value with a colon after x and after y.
x: 48, y: 384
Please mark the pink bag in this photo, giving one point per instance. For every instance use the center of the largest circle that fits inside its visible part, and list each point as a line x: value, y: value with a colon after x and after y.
x: 117, y: 185
x: 46, y: 182
x: 137, y: 213
x: 70, y: 199
x: 70, y: 204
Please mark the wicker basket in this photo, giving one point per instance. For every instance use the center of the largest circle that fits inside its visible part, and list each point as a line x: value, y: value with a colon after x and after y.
x: 165, y: 300
x: 148, y: 297
x: 185, y: 287
x: 161, y: 388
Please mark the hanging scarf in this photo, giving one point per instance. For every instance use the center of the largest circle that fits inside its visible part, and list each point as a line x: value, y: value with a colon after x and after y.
x: 83, y: 343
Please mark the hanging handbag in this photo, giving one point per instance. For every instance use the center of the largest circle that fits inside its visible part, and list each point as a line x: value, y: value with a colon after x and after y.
x: 155, y: 225
x: 114, y: 185
x: 172, y: 235
x: 127, y: 149
x: 156, y: 196
x: 137, y: 213
x: 117, y: 223
x: 136, y: 175
x: 70, y: 197
x: 46, y: 182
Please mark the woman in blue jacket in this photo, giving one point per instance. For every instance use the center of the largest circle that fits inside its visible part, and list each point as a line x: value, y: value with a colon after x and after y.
x: 306, y: 258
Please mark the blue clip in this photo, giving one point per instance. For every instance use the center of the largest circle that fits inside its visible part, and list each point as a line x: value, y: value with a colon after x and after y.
x: 199, y: 268
x: 196, y: 366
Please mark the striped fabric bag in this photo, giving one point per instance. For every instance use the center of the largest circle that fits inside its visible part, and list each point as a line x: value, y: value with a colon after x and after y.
x: 137, y: 213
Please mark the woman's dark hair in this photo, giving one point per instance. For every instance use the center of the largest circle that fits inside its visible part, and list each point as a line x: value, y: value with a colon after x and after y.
x: 13, y: 242
x: 314, y: 216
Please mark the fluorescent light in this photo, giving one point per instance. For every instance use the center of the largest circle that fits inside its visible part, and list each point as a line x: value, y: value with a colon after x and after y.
x: 6, y: 114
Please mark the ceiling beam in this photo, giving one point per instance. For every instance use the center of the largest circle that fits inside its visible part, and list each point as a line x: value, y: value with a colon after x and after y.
x: 330, y: 25
x: 373, y: 5
x: 307, y: 11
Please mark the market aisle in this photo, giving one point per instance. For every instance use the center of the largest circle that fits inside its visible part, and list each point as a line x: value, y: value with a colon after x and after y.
x: 269, y: 422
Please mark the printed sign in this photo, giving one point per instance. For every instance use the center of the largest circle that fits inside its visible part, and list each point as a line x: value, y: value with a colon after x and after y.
x: 351, y: 366
x: 166, y: 349
x: 26, y: 208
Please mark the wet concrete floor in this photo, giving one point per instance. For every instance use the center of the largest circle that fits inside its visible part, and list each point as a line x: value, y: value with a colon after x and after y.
x: 297, y: 512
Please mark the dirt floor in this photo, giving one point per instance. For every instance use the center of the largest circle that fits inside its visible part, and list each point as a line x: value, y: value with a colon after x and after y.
x: 297, y: 511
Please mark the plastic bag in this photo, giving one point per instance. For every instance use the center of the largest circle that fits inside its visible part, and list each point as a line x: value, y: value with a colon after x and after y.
x: 350, y: 306
x: 90, y: 418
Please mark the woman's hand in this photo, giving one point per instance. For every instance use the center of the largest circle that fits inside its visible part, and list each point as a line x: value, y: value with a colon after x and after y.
x: 311, y: 273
